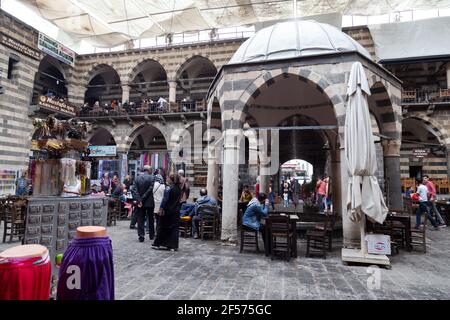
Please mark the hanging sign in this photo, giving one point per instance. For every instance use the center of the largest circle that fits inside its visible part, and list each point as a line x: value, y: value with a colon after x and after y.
x: 102, y: 151
x: 420, y: 153
x: 56, y: 105
x: 56, y: 50
x: 19, y: 46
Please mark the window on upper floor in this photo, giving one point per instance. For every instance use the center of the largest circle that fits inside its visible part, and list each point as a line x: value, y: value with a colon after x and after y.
x: 13, y: 68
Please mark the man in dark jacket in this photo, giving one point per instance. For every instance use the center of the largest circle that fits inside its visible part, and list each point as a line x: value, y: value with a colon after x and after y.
x: 143, y: 195
x: 203, y: 200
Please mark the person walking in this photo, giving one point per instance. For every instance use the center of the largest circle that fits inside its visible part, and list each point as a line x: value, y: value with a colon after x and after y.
x: 329, y: 201
x: 158, y: 195
x: 422, y: 192
x: 321, y: 194
x: 143, y: 195
x: 184, y: 186
x: 294, y: 189
x: 432, y: 200
x: 286, y: 194
x: 257, y: 186
x: 271, y: 196
x: 167, y: 236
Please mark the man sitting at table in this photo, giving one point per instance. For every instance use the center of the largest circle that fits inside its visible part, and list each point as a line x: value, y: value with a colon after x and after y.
x: 256, y: 209
x: 203, y: 200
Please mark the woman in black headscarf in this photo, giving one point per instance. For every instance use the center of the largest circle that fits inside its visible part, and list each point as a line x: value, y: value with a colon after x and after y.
x: 169, y: 216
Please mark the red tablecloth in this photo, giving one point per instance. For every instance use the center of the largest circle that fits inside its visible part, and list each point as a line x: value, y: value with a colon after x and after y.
x: 25, y: 279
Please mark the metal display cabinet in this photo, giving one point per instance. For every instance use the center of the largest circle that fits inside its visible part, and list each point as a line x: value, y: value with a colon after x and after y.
x: 53, y: 221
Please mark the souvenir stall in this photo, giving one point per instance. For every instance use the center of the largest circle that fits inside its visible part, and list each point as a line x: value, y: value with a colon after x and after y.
x: 158, y: 159
x: 60, y: 204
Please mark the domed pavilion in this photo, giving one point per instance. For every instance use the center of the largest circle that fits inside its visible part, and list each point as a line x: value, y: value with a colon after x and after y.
x: 282, y: 96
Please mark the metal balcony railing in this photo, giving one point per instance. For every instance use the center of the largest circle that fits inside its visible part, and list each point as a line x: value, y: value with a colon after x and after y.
x: 425, y: 96
x: 144, y: 109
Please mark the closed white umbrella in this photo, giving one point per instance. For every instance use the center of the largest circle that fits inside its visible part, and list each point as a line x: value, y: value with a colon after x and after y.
x: 364, y: 195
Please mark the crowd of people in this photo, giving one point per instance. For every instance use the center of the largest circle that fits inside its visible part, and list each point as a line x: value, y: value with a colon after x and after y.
x: 158, y: 201
x: 116, y: 106
x: 133, y: 107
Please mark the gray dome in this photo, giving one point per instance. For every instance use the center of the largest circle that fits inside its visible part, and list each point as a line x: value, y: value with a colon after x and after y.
x: 295, y: 38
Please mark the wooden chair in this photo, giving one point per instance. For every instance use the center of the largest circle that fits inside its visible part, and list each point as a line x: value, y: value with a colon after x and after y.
x: 329, y: 226
x: 185, y: 228
x: 279, y: 227
x: 14, y: 220
x: 209, y: 219
x: 113, y: 212
x: 418, y: 236
x: 249, y: 238
x: 317, y: 240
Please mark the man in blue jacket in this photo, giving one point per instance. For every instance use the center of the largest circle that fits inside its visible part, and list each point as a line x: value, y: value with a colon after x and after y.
x: 203, y: 200
x: 256, y: 209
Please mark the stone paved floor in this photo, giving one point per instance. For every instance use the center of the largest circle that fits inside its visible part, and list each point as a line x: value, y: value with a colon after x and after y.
x: 208, y: 270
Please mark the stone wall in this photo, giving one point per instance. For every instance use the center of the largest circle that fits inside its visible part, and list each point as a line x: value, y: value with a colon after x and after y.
x: 363, y: 36
x: 438, y: 124
x: 15, y: 125
x: 126, y: 63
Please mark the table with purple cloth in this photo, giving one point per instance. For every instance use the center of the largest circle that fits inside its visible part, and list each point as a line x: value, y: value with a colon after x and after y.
x: 87, y: 270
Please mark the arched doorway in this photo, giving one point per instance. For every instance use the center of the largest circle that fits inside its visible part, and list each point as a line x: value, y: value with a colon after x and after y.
x: 194, y: 78
x: 298, y: 174
x: 305, y: 120
x: 49, y: 80
x: 101, y: 163
x: 149, y: 82
x: 422, y: 152
x: 148, y: 147
x: 104, y: 86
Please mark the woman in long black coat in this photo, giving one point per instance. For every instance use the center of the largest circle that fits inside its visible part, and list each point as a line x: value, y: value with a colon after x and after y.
x: 167, y: 233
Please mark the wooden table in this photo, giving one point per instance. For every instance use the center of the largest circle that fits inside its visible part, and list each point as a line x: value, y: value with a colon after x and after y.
x: 293, y: 218
x: 406, y: 221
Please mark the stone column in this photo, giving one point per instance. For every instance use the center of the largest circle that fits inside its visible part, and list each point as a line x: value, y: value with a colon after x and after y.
x: 336, y: 181
x: 391, y: 153
x: 448, y: 75
x: 126, y: 93
x: 264, y: 184
x: 264, y: 177
x: 172, y: 91
x: 230, y: 185
x: 448, y: 163
x: 123, y: 167
x: 212, y: 184
x: 350, y: 230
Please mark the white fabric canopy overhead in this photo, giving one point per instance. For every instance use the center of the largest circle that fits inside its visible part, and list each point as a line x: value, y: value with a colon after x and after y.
x: 421, y: 38
x: 113, y: 22
x: 364, y: 194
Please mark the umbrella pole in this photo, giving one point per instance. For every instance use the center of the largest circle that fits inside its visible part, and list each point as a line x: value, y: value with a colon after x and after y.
x: 362, y: 227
